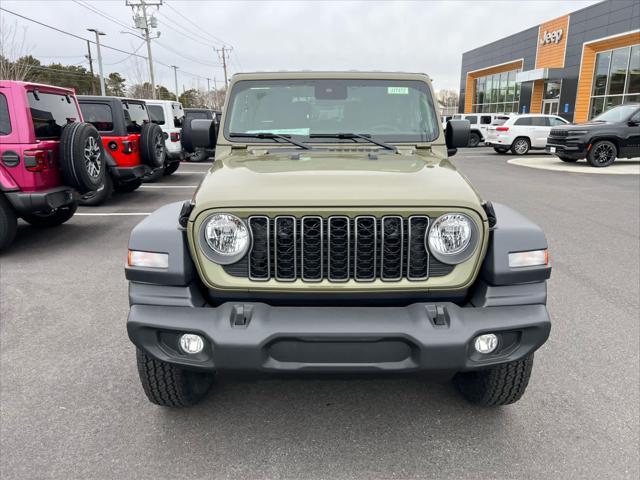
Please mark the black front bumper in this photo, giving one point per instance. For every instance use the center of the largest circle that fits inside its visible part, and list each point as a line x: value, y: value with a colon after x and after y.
x: 260, y: 337
x: 569, y: 150
x: 45, y: 200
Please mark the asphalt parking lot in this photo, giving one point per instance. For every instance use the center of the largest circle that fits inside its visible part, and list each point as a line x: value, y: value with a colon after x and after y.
x: 71, y: 405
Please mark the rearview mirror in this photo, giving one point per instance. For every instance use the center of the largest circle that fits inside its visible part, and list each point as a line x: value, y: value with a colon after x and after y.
x: 456, y: 135
x: 199, y: 133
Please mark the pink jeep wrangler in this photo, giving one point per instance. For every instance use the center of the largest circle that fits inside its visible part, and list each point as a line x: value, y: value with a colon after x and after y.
x: 46, y: 155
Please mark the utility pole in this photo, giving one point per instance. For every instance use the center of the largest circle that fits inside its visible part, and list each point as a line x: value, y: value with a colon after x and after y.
x: 223, y: 53
x: 98, y: 33
x: 175, y: 78
x: 144, y: 23
x: 93, y: 80
x: 208, y: 92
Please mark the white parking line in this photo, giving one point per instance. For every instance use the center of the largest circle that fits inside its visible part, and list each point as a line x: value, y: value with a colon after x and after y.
x: 168, y: 186
x: 115, y: 214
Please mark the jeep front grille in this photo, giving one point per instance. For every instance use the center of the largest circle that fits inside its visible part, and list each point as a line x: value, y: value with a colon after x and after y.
x: 338, y: 248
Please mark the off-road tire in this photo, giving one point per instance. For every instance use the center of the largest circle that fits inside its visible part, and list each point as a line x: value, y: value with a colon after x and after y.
x: 8, y: 223
x: 152, y: 148
x: 602, y: 154
x: 501, y: 150
x: 153, y: 176
x: 198, y: 156
x: 99, y: 196
x: 495, y: 386
x: 82, y: 157
x: 169, y: 386
x: 567, y: 159
x: 128, y: 187
x: 53, y: 219
x: 474, y: 140
x: 521, y: 146
x: 171, y: 168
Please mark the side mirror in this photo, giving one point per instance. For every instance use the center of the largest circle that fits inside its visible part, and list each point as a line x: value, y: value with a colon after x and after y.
x: 199, y: 133
x: 456, y: 135
x: 633, y: 123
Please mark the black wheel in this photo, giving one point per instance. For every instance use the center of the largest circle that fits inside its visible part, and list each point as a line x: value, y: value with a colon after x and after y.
x: 8, y: 223
x: 501, y: 150
x: 169, y: 386
x: 51, y: 219
x: 152, y: 149
x: 520, y: 146
x: 198, y: 156
x: 474, y: 140
x: 153, y: 176
x: 99, y: 196
x: 129, y: 186
x: 602, y: 154
x: 499, y: 385
x: 567, y: 159
x: 172, y: 167
x: 82, y: 158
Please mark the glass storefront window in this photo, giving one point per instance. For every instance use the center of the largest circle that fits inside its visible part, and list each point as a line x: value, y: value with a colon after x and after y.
x: 616, y: 76
x: 551, y: 90
x: 498, y: 93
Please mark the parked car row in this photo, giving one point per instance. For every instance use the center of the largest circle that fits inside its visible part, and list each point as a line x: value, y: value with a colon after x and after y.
x: 58, y: 150
x: 612, y: 134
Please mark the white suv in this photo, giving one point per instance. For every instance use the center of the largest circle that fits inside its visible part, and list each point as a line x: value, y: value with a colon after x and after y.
x: 521, y: 133
x: 170, y: 116
x: 478, y: 125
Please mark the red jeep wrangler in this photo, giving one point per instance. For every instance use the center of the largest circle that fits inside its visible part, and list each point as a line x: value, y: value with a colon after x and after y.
x: 46, y: 155
x: 134, y: 146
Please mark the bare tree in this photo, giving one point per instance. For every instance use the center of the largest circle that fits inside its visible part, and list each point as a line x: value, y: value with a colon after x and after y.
x: 13, y: 46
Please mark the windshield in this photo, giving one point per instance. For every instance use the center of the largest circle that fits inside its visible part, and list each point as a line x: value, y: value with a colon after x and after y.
x: 617, y: 114
x: 389, y: 110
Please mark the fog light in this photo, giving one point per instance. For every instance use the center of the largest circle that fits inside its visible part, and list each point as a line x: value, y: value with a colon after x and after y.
x: 191, y: 343
x: 486, y: 343
x: 137, y: 258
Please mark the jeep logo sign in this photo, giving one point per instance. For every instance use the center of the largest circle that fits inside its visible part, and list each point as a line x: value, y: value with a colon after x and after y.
x: 551, y: 37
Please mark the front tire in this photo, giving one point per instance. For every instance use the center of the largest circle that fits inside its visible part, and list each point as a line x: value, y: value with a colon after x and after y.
x: 53, y: 219
x: 520, y: 146
x: 501, y: 150
x: 500, y: 385
x: 169, y: 386
x: 602, y: 154
x: 567, y: 159
x: 8, y: 223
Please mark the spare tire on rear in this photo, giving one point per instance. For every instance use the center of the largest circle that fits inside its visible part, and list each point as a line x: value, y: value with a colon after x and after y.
x: 152, y: 150
x: 82, y: 157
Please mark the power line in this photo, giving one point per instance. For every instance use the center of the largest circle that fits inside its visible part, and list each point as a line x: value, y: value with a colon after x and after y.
x: 216, y: 39
x: 128, y: 56
x: 102, y: 14
x: 181, y: 54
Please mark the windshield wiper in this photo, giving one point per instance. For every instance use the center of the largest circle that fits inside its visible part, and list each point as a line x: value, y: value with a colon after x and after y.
x: 353, y: 136
x: 273, y: 136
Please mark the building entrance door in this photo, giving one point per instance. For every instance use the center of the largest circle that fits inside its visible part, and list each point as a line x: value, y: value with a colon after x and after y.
x: 550, y: 107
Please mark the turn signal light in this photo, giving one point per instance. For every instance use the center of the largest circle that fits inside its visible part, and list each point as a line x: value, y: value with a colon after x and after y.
x: 502, y: 129
x: 137, y: 258
x: 532, y: 258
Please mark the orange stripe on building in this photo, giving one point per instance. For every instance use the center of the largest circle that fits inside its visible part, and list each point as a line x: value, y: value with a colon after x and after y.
x: 552, y: 41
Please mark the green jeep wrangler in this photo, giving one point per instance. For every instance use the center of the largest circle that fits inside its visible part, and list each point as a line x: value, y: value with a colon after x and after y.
x: 332, y: 234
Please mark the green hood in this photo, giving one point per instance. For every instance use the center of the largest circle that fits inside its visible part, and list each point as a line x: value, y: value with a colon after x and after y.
x: 326, y: 179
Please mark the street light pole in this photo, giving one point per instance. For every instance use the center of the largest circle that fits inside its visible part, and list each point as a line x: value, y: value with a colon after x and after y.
x: 148, y: 40
x: 98, y: 33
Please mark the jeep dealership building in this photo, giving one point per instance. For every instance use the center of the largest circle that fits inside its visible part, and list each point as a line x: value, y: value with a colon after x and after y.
x: 576, y: 66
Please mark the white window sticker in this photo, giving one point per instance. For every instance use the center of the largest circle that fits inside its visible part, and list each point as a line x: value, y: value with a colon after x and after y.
x: 398, y: 90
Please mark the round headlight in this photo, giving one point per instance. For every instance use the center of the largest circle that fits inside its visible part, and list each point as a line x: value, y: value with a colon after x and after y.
x: 452, y: 238
x: 225, y: 238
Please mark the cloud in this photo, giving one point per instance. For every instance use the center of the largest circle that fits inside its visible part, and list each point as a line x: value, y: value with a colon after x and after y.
x: 416, y: 36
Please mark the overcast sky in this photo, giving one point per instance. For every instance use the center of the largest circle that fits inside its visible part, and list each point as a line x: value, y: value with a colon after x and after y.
x: 409, y: 36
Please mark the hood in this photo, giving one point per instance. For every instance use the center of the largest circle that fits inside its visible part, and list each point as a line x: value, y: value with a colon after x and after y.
x: 322, y: 178
x: 583, y: 126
